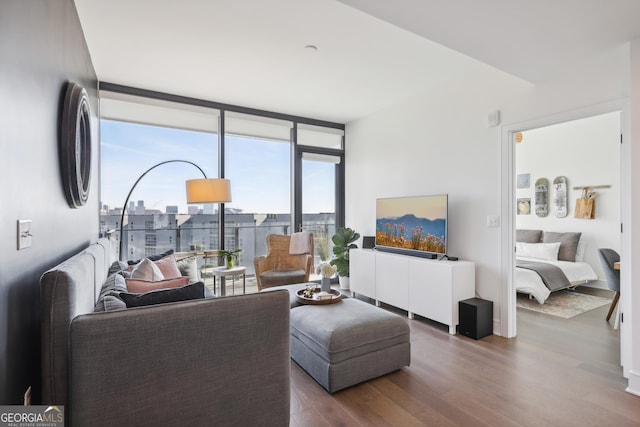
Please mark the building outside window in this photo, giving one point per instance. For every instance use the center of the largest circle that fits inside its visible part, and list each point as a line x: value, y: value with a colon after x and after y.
x: 137, y: 134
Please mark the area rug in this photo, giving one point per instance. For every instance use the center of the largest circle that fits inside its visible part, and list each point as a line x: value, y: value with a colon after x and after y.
x: 565, y: 304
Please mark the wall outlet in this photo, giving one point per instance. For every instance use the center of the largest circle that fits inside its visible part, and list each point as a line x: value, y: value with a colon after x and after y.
x: 493, y: 221
x: 25, y: 238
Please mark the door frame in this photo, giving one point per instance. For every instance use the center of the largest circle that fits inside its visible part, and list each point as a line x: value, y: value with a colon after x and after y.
x: 508, y: 195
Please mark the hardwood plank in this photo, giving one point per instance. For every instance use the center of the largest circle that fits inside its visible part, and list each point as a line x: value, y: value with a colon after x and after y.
x: 556, y: 372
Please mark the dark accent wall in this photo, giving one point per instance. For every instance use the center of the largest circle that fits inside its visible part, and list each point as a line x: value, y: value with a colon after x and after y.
x: 42, y: 46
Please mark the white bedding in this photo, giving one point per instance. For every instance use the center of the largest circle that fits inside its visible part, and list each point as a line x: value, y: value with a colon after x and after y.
x: 528, y: 281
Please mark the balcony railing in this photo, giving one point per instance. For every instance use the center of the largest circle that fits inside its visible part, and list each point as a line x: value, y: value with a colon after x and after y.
x: 198, y: 239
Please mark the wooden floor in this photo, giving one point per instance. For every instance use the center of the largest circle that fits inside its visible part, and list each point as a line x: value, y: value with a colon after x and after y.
x: 557, y: 372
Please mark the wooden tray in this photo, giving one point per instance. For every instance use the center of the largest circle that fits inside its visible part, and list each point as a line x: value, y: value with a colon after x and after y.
x: 336, y: 296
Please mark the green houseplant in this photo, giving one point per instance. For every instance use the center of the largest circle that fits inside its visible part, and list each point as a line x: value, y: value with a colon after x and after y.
x: 343, y: 241
x: 229, y: 256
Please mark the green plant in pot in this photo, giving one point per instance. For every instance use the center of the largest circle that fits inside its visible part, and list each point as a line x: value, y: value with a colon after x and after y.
x: 343, y: 241
x: 230, y: 257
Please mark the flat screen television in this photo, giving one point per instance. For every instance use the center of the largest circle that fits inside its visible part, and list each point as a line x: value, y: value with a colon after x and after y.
x: 414, y: 225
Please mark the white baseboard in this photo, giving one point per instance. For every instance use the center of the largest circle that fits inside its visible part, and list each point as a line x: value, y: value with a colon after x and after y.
x: 633, y: 386
x: 596, y: 284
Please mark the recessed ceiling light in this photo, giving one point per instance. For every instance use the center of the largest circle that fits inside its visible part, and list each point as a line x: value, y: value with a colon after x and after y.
x: 311, y: 47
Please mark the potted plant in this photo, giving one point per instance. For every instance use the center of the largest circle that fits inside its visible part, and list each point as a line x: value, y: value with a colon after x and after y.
x: 229, y: 256
x: 343, y: 241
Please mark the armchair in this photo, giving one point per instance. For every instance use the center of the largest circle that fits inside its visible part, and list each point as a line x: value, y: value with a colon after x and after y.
x: 289, y: 260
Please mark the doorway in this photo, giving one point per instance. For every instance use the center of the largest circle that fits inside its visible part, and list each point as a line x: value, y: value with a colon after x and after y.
x: 508, y: 300
x: 564, y: 158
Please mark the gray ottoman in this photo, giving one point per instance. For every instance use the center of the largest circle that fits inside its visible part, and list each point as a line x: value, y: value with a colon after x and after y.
x: 292, y: 289
x: 349, y: 342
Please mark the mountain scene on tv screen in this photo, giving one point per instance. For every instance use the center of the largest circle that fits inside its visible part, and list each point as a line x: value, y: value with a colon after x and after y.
x: 411, y: 232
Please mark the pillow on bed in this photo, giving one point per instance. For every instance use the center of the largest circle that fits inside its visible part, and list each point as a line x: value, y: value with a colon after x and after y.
x: 529, y: 236
x: 546, y: 251
x: 568, y: 244
x: 580, y: 251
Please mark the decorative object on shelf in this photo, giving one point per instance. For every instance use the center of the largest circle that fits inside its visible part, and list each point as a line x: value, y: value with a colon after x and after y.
x: 343, y: 241
x: 586, y: 204
x: 560, y: 196
x: 327, y: 271
x: 318, y: 296
x: 230, y: 257
x: 75, y: 145
x: 202, y: 190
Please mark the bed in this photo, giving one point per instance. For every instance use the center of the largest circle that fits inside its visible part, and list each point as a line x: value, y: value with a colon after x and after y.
x: 536, y: 249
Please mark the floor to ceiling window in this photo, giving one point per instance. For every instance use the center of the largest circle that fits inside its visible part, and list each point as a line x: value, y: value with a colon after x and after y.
x: 136, y: 136
x: 258, y: 163
x: 286, y: 174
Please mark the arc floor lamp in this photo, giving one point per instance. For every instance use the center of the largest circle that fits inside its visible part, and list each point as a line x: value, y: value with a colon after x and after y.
x: 202, y: 190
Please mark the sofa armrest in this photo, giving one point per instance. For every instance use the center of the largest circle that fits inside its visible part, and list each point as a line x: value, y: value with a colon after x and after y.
x: 221, y: 361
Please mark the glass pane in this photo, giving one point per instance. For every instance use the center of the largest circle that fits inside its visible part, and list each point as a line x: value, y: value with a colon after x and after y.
x: 157, y: 216
x: 318, y: 206
x: 259, y: 171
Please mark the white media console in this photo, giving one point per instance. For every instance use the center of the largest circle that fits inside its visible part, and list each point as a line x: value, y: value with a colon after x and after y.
x: 426, y: 287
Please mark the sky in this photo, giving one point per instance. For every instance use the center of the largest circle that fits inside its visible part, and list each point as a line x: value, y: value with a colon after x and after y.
x: 430, y: 207
x: 259, y: 170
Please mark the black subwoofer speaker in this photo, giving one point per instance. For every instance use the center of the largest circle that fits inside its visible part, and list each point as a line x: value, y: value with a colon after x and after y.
x: 475, y: 317
x: 368, y: 242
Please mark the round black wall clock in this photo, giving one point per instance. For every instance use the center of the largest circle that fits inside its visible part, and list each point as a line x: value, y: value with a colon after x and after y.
x: 75, y: 145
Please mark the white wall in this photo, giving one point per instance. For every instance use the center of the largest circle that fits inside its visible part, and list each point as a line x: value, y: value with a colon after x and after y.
x: 439, y: 142
x: 587, y: 152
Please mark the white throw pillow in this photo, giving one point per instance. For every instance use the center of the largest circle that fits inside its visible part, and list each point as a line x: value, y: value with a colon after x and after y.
x: 580, y: 250
x: 147, y: 270
x: 546, y: 251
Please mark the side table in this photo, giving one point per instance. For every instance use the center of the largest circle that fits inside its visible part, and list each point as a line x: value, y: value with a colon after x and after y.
x: 224, y: 272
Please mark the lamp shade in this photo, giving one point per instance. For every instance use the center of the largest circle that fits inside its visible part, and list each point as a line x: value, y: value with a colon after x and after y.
x: 208, y: 190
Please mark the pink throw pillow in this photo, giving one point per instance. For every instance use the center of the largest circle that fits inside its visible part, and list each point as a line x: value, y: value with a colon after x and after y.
x: 136, y: 286
x: 169, y: 267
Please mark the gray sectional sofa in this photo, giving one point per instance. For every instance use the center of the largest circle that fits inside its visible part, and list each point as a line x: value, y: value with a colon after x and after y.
x: 220, y: 361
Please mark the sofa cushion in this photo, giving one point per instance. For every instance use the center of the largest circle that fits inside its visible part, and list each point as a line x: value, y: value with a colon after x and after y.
x: 147, y: 270
x: 189, y: 267
x: 185, y: 293
x: 168, y: 267
x: 108, y: 298
x: 119, y: 267
x: 154, y: 257
x: 136, y: 286
x: 282, y: 277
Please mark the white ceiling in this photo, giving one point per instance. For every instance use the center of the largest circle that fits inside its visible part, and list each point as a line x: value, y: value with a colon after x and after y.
x: 371, y: 53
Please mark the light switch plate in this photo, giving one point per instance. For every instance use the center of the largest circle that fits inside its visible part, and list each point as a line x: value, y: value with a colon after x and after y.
x: 493, y: 221
x: 25, y: 237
